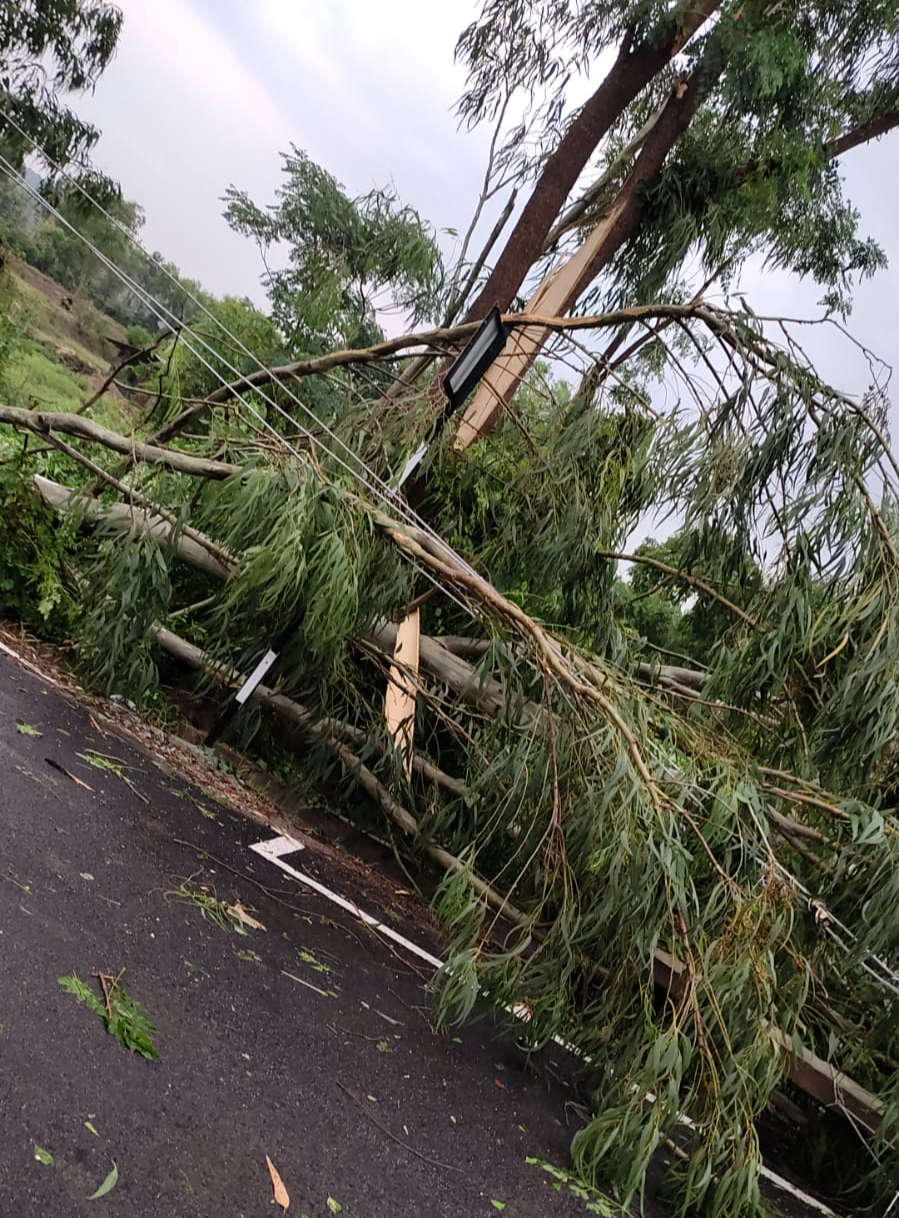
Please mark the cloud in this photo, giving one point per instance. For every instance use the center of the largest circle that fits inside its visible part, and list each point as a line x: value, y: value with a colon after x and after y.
x: 182, y: 117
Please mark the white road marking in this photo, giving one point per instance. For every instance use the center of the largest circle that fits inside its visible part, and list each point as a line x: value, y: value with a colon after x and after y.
x: 275, y: 848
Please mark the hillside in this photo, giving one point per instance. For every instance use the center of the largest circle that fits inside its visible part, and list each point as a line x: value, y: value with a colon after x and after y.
x: 59, y: 345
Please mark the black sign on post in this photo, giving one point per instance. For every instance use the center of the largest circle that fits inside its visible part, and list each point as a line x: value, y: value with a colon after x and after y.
x: 474, y: 359
x: 467, y: 369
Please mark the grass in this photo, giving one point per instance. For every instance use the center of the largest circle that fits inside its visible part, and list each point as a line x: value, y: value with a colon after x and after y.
x: 82, y: 327
x: 39, y: 381
x: 43, y: 383
x: 35, y: 376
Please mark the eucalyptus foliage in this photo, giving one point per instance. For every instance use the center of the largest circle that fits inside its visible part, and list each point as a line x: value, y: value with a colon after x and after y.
x: 704, y: 875
x: 748, y: 832
x: 50, y: 48
x: 783, y: 89
x: 349, y: 259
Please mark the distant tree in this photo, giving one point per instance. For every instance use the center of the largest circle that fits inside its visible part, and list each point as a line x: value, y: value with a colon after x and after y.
x: 195, y: 373
x: 50, y: 48
x: 349, y: 260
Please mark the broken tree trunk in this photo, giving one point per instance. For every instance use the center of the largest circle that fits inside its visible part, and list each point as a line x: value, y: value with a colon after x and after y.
x: 558, y: 293
x: 399, y: 701
x: 139, y: 522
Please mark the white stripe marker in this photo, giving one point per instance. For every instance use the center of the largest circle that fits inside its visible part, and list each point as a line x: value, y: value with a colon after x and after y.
x: 276, y: 847
x: 255, y: 676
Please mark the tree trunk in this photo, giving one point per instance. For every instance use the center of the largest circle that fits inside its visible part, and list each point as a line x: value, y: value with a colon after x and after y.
x: 558, y: 294
x: 630, y: 74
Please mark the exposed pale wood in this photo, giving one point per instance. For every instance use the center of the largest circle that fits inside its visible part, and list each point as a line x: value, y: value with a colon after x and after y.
x: 555, y: 295
x: 399, y: 701
x: 136, y: 521
x: 485, y: 693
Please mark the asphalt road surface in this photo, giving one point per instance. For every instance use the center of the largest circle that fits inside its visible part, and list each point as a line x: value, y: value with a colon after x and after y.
x: 308, y: 1039
x: 333, y: 1072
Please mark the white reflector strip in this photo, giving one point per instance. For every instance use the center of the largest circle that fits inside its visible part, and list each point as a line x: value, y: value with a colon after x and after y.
x: 256, y: 676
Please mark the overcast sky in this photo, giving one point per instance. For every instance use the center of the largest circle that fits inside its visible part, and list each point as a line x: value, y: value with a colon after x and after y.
x: 205, y: 93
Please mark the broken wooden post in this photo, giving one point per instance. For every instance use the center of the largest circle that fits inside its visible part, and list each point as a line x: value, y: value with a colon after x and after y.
x: 399, y: 702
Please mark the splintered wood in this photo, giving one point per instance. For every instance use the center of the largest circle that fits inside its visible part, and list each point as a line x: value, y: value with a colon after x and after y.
x: 399, y: 703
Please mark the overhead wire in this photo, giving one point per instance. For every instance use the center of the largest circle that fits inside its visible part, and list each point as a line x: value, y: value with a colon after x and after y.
x: 372, y: 483
x: 364, y: 474
x: 375, y: 483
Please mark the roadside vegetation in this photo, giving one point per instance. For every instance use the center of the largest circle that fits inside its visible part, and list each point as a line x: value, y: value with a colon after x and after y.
x: 655, y: 780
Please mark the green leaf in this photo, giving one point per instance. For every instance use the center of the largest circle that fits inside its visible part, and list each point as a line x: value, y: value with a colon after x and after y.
x: 76, y: 987
x: 43, y: 1156
x: 107, y: 1186
x: 334, y: 1206
x: 497, y: 1205
x: 88, y: 1125
x: 127, y: 1020
x: 27, y: 729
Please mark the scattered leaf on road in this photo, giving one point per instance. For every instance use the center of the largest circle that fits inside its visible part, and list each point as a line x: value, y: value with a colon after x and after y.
x: 122, y: 1015
x: 27, y: 729
x: 237, y: 911
x: 334, y: 1206
x: 43, y: 1156
x: 107, y: 1186
x: 281, y: 1195
x: 88, y: 1125
x: 497, y: 1205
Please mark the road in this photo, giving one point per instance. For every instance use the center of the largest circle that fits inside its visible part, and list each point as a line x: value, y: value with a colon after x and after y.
x: 307, y: 1040
x: 334, y: 1072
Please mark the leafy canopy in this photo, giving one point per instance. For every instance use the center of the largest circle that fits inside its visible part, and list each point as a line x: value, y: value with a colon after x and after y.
x: 348, y: 260
x: 49, y: 48
x: 782, y: 86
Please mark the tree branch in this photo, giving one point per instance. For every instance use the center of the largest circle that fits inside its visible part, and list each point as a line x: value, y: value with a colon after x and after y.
x: 631, y: 72
x: 43, y: 422
x: 686, y: 578
x: 369, y: 782
x: 864, y: 133
x: 440, y: 337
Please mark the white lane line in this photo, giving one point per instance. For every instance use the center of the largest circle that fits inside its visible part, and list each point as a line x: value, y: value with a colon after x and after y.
x: 276, y: 847
x: 20, y: 659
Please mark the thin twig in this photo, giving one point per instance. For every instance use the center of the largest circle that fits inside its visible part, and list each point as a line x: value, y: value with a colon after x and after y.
x: 366, y: 1111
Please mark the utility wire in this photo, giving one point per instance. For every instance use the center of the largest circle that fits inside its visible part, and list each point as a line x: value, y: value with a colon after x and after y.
x: 364, y: 474
x: 387, y: 497
x: 376, y: 485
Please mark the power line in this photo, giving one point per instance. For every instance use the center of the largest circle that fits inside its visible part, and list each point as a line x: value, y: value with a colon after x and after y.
x: 379, y: 489
x: 159, y: 309
x: 384, y: 492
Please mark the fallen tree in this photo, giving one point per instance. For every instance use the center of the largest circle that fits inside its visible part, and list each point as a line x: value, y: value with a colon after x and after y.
x: 813, y: 1075
x: 677, y: 759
